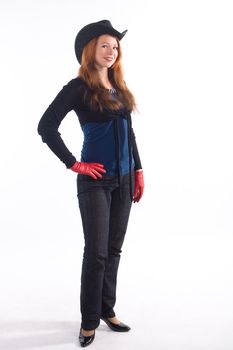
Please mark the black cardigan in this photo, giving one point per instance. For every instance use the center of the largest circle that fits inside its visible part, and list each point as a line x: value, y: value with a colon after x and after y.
x: 72, y: 97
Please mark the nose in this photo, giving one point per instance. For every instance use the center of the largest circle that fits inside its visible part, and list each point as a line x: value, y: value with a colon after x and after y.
x: 110, y: 51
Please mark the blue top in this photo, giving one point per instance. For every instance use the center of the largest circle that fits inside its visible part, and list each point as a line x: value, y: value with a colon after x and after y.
x: 98, y: 146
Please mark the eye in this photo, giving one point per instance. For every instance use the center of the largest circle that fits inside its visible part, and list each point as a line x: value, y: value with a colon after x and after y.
x: 116, y: 47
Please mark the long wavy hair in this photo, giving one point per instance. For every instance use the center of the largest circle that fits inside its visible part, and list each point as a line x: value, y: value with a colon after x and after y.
x: 97, y: 95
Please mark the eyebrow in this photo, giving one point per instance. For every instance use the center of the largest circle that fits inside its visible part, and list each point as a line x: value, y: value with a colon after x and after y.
x: 105, y: 42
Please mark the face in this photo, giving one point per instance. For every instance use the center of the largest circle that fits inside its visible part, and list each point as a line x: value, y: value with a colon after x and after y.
x: 106, y: 51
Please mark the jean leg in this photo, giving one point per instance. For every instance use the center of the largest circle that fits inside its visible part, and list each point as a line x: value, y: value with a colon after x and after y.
x: 119, y: 215
x: 94, y: 209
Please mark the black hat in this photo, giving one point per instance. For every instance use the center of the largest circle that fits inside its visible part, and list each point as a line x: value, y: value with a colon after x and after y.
x: 91, y: 31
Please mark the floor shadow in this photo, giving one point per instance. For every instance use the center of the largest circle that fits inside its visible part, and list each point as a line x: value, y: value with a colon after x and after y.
x: 26, y: 334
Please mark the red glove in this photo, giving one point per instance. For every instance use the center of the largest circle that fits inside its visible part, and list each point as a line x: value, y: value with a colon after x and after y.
x: 91, y: 169
x: 138, y: 186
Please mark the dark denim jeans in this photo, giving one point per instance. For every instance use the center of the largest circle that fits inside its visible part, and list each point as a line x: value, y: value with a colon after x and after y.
x: 105, y: 217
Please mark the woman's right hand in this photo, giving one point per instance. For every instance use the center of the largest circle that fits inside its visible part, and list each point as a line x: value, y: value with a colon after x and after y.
x: 91, y: 169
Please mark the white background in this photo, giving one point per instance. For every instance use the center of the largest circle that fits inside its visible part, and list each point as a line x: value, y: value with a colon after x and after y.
x: 175, y: 281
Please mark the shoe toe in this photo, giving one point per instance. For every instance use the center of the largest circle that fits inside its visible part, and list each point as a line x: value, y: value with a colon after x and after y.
x: 85, y: 341
x: 120, y: 327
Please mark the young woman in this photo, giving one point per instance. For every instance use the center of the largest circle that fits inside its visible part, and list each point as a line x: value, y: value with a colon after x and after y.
x: 110, y: 174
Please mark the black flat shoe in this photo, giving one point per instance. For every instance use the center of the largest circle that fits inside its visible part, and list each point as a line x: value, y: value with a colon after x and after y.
x: 121, y: 327
x: 85, y: 341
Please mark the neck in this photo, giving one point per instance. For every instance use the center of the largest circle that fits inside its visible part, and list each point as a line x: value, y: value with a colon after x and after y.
x: 103, y: 76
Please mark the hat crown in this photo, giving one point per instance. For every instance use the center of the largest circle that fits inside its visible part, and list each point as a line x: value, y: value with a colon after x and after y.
x: 106, y: 22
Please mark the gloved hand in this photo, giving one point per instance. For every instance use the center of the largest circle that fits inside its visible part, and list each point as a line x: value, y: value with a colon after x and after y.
x: 138, y: 186
x: 90, y: 169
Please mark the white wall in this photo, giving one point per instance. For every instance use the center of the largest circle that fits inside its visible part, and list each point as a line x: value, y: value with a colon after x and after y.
x: 178, y: 61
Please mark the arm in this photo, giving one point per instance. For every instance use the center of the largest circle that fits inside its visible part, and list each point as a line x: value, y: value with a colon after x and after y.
x: 50, y: 121
x: 139, y: 180
x: 136, y: 157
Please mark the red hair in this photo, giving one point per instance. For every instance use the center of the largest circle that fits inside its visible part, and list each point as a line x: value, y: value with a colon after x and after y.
x: 98, y: 96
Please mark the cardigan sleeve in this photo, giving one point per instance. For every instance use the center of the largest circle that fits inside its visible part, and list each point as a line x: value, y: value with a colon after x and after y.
x: 50, y: 121
x: 136, y: 157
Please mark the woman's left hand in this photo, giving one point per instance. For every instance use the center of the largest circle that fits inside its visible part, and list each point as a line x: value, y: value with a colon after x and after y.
x: 139, y: 186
